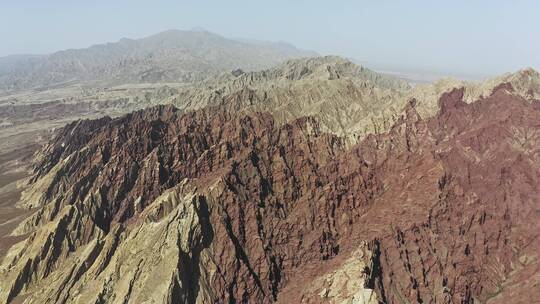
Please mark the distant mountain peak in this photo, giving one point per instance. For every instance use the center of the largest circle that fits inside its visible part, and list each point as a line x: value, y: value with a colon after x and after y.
x: 170, y: 56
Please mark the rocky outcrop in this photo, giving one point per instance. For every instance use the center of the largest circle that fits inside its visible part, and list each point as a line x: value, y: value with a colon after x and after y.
x: 202, y: 151
x: 351, y: 282
x: 214, y: 206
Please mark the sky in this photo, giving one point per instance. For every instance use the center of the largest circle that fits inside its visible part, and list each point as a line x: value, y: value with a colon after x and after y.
x: 466, y: 37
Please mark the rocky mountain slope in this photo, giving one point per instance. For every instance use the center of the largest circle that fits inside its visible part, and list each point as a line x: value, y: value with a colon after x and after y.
x: 349, y: 100
x: 214, y: 206
x: 171, y: 56
x: 525, y: 83
x: 340, y: 94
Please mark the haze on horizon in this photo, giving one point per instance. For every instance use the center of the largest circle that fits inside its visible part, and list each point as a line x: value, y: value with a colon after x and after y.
x: 471, y: 38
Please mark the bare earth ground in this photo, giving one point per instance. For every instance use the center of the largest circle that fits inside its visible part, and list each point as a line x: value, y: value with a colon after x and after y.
x: 12, y: 174
x: 15, y: 151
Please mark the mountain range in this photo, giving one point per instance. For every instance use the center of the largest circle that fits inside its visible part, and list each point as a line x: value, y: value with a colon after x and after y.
x: 246, y: 172
x: 170, y: 56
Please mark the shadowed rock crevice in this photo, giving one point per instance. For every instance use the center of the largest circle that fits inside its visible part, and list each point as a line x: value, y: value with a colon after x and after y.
x: 189, y: 262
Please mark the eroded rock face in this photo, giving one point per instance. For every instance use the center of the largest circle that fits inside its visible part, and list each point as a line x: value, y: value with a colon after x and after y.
x: 213, y: 206
x: 347, y: 99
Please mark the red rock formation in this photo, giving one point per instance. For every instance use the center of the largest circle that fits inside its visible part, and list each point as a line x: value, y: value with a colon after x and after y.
x: 447, y: 205
x: 472, y: 231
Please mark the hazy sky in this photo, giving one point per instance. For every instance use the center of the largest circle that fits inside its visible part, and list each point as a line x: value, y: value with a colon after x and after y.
x: 460, y: 36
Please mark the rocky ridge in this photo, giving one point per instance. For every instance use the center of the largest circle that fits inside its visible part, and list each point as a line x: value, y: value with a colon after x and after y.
x: 239, y: 207
x: 525, y: 83
x: 348, y: 100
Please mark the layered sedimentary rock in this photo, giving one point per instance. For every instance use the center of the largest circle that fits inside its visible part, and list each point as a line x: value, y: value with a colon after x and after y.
x: 218, y: 206
x: 525, y: 84
x: 348, y: 100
